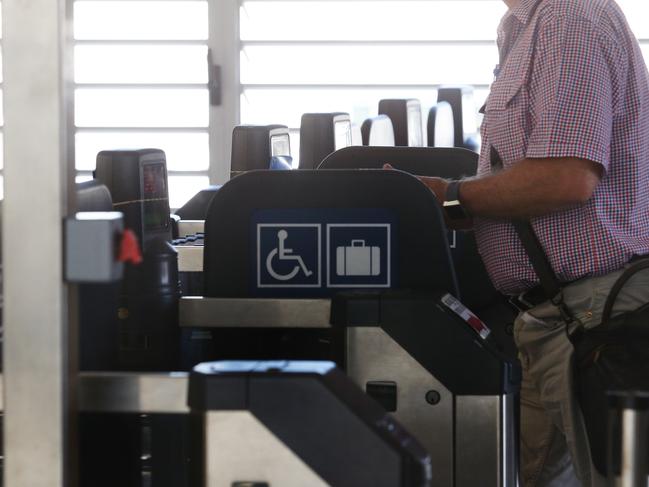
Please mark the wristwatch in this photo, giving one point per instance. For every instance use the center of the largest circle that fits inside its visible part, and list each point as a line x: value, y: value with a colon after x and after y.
x: 452, y: 204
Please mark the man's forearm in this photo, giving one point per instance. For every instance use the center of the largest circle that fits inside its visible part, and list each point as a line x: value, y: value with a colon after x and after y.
x: 532, y: 187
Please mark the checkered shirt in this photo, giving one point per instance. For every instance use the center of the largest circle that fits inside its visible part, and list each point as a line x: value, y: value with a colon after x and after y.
x: 572, y: 83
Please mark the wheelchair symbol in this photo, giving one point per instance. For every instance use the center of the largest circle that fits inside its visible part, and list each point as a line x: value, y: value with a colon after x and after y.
x: 283, y: 254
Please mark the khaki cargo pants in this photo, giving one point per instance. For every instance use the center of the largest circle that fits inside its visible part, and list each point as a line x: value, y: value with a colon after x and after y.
x: 554, y: 444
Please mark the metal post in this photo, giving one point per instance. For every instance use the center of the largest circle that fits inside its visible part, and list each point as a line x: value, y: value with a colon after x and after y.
x: 38, y: 361
x: 225, y: 44
x: 635, y: 448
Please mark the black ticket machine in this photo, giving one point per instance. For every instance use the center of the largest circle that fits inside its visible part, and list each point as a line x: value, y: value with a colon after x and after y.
x: 254, y: 147
x: 137, y: 181
x: 259, y: 147
x: 321, y: 134
x: 465, y: 114
x: 378, y: 131
x: 137, y: 330
x: 295, y: 424
x: 406, y: 120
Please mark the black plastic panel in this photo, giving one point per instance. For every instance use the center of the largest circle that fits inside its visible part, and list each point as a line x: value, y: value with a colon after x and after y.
x: 316, y: 411
x: 438, y: 339
x: 137, y: 180
x: 422, y: 255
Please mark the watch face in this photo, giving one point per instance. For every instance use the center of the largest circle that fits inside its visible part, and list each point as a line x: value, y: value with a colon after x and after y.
x: 454, y: 210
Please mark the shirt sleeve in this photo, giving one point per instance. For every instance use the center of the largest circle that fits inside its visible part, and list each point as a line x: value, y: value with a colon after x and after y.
x: 571, y: 92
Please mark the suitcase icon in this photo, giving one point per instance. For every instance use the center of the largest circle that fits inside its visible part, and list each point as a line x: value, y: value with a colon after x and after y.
x: 358, y: 260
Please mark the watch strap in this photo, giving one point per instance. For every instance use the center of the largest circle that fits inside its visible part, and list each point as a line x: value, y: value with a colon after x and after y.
x: 453, y: 191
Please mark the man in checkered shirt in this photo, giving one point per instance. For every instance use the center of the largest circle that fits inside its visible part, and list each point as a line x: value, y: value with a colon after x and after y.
x: 569, y: 116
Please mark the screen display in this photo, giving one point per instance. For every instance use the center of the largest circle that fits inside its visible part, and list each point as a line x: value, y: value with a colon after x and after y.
x: 280, y: 145
x: 415, y: 128
x: 154, y: 181
x: 155, y: 197
x: 342, y: 134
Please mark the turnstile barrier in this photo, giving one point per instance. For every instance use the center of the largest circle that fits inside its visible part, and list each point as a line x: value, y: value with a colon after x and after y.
x: 440, y: 375
x: 268, y: 296
x: 294, y: 424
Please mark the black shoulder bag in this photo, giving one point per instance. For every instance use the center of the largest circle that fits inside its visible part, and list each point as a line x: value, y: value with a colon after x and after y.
x: 613, y: 355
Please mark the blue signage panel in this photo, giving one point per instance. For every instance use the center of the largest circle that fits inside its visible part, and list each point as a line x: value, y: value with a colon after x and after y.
x: 318, y: 252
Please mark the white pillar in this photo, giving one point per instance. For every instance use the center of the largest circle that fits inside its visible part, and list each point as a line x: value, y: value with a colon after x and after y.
x: 225, y: 44
x: 38, y: 168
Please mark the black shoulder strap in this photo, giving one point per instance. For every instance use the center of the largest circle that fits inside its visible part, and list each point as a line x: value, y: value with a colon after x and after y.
x: 549, y: 281
x: 619, y: 285
x: 540, y: 263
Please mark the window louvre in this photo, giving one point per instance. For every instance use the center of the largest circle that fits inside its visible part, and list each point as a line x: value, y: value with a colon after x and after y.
x: 141, y: 81
x: 345, y: 55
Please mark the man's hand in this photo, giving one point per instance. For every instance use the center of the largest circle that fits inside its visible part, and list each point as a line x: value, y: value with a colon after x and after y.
x: 436, y: 185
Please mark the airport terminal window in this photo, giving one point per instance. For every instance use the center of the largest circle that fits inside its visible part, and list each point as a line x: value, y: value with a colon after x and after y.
x: 347, y: 55
x: 140, y: 74
x: 344, y: 55
x: 141, y: 79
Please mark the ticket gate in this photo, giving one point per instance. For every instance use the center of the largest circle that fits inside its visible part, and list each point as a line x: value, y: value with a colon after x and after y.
x: 465, y: 114
x: 475, y: 287
x: 137, y: 181
x: 254, y: 147
x: 295, y: 424
x: 237, y: 213
x: 401, y: 347
x: 378, y: 131
x: 240, y: 424
x: 441, y: 126
x: 321, y: 134
x: 409, y: 343
x: 406, y: 119
x: 123, y: 448
x: 448, y: 163
x: 133, y: 326
x: 145, y: 448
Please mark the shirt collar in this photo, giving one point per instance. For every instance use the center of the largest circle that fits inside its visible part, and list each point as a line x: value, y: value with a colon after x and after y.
x: 523, y: 11
x: 521, y: 14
